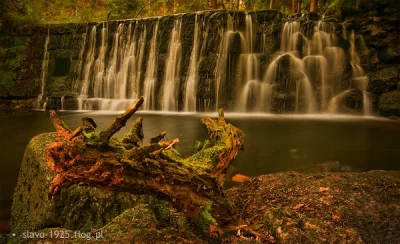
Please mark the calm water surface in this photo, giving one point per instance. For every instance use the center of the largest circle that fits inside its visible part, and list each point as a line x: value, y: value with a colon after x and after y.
x: 274, y: 143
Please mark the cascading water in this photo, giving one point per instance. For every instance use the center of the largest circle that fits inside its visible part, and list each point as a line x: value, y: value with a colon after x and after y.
x: 359, y: 80
x: 306, y: 71
x: 221, y: 69
x: 80, y: 60
x: 250, y: 68
x: 45, y: 67
x: 150, y: 80
x: 62, y: 102
x: 172, y: 69
x: 113, y: 83
x: 359, y: 77
x: 87, y: 70
x: 191, y: 82
x: 300, y: 72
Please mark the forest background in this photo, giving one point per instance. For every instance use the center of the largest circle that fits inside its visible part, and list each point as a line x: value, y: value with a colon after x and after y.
x: 70, y: 11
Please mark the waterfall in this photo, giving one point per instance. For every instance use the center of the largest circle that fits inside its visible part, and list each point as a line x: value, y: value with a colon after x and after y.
x: 191, y: 81
x: 62, y: 103
x: 111, y: 79
x: 289, y: 36
x: 110, y: 87
x: 306, y: 70
x: 243, y: 67
x: 85, y: 76
x: 78, y: 69
x: 150, y: 80
x: 136, y: 59
x: 99, y: 64
x: 172, y: 69
x: 249, y: 65
x: 359, y: 77
x: 222, y: 59
x: 336, y: 100
x: 45, y: 67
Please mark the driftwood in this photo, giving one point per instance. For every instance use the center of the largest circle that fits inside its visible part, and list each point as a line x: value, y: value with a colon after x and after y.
x: 194, y: 185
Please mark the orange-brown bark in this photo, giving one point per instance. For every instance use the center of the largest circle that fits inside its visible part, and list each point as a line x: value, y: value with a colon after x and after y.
x: 96, y: 159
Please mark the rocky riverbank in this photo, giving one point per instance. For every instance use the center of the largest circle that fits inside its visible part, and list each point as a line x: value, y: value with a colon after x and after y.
x: 289, y: 207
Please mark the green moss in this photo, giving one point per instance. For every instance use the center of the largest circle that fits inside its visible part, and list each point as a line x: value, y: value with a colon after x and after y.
x: 17, y: 41
x: 114, y: 229
x: 66, y: 40
x: 204, y: 219
x: 8, y: 80
x: 161, y: 211
x: 173, y: 154
x: 205, y: 158
x: 279, y: 213
x: 200, y: 145
x: 273, y: 219
x: 14, y: 63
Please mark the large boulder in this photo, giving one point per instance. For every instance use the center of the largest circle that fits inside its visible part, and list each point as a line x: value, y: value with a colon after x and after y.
x: 77, y: 208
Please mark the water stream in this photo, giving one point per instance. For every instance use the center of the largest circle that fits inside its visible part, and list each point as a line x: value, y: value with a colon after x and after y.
x: 305, y: 75
x: 172, y: 69
x: 45, y: 67
x: 191, y: 82
x: 150, y: 80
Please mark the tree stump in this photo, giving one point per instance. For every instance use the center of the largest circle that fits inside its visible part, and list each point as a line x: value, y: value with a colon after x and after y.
x: 194, y: 185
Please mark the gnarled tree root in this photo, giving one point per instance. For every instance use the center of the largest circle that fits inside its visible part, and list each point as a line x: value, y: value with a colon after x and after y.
x: 193, y: 185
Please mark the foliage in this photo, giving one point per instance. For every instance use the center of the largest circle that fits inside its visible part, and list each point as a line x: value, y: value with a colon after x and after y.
x: 59, y: 11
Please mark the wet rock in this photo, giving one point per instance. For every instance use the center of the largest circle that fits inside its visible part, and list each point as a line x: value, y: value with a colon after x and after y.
x: 390, y: 104
x: 77, y: 208
x: 383, y: 80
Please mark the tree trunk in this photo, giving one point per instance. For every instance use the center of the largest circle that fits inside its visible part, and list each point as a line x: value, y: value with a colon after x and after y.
x: 231, y: 5
x: 271, y: 3
x: 294, y: 6
x: 213, y: 4
x: 299, y: 3
x: 314, y: 6
x: 194, y: 185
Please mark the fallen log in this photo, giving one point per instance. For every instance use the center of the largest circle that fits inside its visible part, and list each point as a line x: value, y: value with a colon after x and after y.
x: 194, y: 185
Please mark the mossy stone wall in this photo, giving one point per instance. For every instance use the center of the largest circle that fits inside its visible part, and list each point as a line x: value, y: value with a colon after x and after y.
x: 374, y: 23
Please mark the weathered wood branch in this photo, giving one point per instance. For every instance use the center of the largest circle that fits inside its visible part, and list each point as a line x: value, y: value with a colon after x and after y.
x: 61, y: 128
x: 158, y: 138
x: 193, y: 185
x: 134, y: 138
x: 120, y: 121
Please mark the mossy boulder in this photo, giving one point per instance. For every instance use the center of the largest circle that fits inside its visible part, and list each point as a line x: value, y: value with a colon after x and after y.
x: 389, y: 104
x: 77, y: 208
x: 142, y: 223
